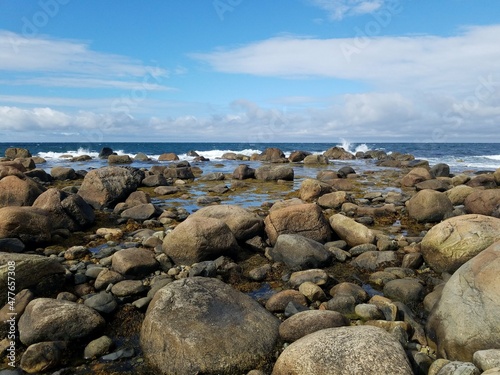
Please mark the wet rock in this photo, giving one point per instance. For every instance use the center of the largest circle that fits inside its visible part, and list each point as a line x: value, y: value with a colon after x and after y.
x: 140, y: 156
x: 453, y: 242
x: 197, y: 239
x: 484, y: 202
x: 304, y: 219
x: 274, y: 173
x: 134, y: 262
x: 11, y: 245
x: 104, y: 187
x: 47, y: 319
x: 243, y: 223
x: 350, y: 231
x: 312, y: 189
x: 102, y: 302
x: 466, y: 317
x: 65, y: 211
x: 42, y: 356
x: 243, y: 172
x: 206, y: 311
x: 279, y: 301
x: 429, y: 206
x: 63, y: 173
x: 306, y: 322
x: 375, y: 352
x: 105, y: 153
x: 299, y: 252
x: 440, y: 170
x: 98, y: 347
x: 19, y: 191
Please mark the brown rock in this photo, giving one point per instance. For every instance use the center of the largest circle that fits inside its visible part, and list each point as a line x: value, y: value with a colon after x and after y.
x: 197, y: 239
x: 29, y: 224
x: 134, y: 262
x: 304, y: 219
x: 415, y: 176
x: 338, y: 153
x: 429, y: 206
x: 279, y: 301
x: 168, y: 157
x: 312, y: 189
x: 484, y: 202
x: 350, y: 231
x: 16, y: 191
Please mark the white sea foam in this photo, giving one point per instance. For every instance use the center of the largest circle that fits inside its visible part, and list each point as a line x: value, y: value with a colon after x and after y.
x: 346, y: 145
x: 73, y: 153
x: 215, y: 154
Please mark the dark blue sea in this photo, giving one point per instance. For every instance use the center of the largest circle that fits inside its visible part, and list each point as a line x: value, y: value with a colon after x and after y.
x: 460, y: 156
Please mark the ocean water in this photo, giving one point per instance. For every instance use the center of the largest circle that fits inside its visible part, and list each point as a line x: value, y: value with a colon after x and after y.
x: 460, y: 156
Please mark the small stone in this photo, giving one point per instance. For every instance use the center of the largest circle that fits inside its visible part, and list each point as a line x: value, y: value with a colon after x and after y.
x: 76, y: 252
x: 260, y: 273
x: 316, y: 276
x: 280, y: 300
x: 122, y: 353
x: 487, y: 359
x: 98, y: 347
x: 142, y: 303
x: 42, y: 356
x: 102, y: 302
x: 128, y: 288
x: 368, y: 311
x: 312, y: 291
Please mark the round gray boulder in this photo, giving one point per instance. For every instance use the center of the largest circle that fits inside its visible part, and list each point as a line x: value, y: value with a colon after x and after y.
x: 201, y: 325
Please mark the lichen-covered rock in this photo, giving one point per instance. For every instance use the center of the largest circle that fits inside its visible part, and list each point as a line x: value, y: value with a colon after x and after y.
x: 344, y: 351
x: 466, y: 317
x: 201, y: 325
x: 449, y: 244
x: 351, y: 231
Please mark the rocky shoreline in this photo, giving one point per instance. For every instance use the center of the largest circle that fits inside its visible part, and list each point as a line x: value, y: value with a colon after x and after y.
x: 386, y: 271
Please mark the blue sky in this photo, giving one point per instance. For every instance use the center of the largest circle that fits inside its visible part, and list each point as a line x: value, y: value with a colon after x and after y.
x: 250, y: 70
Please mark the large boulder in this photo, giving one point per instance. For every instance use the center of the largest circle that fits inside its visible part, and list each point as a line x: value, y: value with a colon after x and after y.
x: 415, y: 176
x: 304, y: 219
x: 316, y: 160
x: 429, y: 206
x: 274, y: 173
x: 47, y: 319
x: 466, y: 318
x: 344, y: 351
x: 299, y: 252
x: 272, y: 154
x: 104, y: 187
x: 243, y: 223
x: 34, y: 272
x: 312, y: 189
x: 18, y: 191
x: 17, y: 152
x: 66, y: 210
x: 484, y: 202
x: 202, y: 325
x: 243, y: 172
x: 29, y: 224
x: 338, y: 153
x: 63, y: 173
x: 197, y: 239
x: 449, y: 244
x: 458, y: 194
x: 350, y: 231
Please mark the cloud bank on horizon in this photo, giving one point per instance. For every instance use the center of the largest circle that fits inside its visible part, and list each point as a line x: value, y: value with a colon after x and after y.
x: 375, y: 77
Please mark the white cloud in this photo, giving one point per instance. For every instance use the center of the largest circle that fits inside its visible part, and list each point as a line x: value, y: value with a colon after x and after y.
x: 338, y: 9
x: 452, y: 64
x: 70, y: 63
